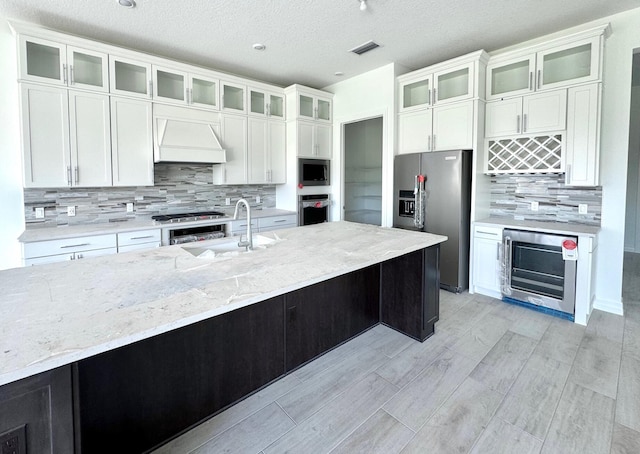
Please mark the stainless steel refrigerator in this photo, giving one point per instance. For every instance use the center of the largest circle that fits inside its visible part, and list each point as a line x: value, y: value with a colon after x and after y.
x: 446, y: 207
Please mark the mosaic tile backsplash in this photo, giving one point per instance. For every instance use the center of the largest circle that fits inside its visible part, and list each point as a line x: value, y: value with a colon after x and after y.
x: 178, y: 188
x: 511, y: 197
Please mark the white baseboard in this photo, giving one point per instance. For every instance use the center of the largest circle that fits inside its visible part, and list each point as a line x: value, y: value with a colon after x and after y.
x: 611, y: 306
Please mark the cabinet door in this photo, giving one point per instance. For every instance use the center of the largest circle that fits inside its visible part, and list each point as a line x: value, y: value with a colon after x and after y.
x: 131, y: 142
x: 203, y: 91
x: 503, y: 117
x: 257, y: 103
x: 414, y: 131
x: 275, y: 107
x: 88, y: 69
x: 90, y: 137
x: 453, y: 127
x: 233, y: 97
x: 306, y: 106
x: 323, y: 141
x: 234, y: 141
x: 306, y: 145
x: 277, y: 152
x: 569, y: 64
x: 170, y: 85
x: 544, y: 112
x: 511, y: 78
x: 323, y: 109
x: 486, y: 266
x: 129, y: 77
x: 583, y: 139
x: 415, y: 94
x: 42, y: 61
x: 453, y: 84
x: 45, y: 136
x: 258, y: 146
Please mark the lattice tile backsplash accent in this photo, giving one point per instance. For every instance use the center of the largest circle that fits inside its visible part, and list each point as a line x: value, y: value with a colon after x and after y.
x: 532, y: 154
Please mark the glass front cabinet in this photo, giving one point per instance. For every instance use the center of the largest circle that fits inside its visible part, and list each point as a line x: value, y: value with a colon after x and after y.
x: 314, y: 108
x: 50, y: 62
x: 266, y: 104
x: 130, y: 77
x: 181, y: 87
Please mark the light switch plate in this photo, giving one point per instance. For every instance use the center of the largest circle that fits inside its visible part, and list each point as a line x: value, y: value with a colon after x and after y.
x: 257, y: 199
x: 583, y: 208
x: 130, y: 207
x: 39, y: 212
x: 534, y: 206
x: 71, y: 211
x: 227, y: 201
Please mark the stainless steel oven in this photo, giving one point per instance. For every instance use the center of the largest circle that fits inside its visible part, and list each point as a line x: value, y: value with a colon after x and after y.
x: 536, y: 272
x: 313, y: 209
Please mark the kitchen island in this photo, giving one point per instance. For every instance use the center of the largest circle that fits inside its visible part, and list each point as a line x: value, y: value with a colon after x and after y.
x: 99, y: 319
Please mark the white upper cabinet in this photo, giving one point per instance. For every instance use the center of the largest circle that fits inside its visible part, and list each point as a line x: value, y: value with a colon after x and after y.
x: 234, y: 140
x: 561, y: 63
x: 233, y: 97
x: 304, y: 103
x: 453, y: 84
x: 130, y: 77
x: 266, y: 163
x: 266, y: 104
x: 541, y: 112
x: 50, y: 62
x: 182, y: 87
x: 582, y: 166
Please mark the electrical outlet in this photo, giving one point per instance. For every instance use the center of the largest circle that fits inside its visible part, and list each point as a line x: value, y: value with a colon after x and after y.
x: 130, y: 207
x: 71, y: 211
x: 227, y: 201
x: 14, y: 441
x: 257, y: 199
x: 534, y: 206
x: 583, y: 208
x: 39, y: 212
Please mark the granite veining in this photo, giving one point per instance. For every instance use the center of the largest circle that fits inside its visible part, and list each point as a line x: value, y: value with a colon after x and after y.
x: 63, y: 312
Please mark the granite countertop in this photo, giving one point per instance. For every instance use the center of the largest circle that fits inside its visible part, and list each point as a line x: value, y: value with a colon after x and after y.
x: 44, y: 232
x: 562, y: 228
x: 63, y: 312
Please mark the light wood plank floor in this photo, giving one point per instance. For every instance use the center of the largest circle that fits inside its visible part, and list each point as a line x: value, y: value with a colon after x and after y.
x: 495, y: 378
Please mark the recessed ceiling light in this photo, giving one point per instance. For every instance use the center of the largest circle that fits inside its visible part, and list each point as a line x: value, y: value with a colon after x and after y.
x: 338, y: 73
x: 127, y: 3
x: 258, y: 46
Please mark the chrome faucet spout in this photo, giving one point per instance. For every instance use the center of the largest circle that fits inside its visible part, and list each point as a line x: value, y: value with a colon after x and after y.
x: 248, y: 243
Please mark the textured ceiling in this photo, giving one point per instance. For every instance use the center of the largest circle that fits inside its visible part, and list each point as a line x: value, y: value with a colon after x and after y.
x: 307, y: 40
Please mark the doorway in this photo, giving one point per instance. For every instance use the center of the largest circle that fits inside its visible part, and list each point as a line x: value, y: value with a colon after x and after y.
x: 363, y: 171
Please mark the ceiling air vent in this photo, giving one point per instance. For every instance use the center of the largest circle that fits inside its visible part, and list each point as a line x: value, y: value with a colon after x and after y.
x: 366, y: 47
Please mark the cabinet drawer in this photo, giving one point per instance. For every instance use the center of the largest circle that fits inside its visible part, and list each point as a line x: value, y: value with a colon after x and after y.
x: 138, y: 246
x: 277, y: 222
x: 68, y: 245
x: 489, y: 233
x: 241, y: 225
x: 138, y: 237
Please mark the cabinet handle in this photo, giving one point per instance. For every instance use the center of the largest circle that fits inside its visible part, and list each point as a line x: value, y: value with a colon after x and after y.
x: 279, y: 220
x: 518, y: 124
x: 71, y: 78
x: 429, y: 96
x: 222, y: 102
x: 141, y: 237
x: 530, y: 80
x: 186, y: 95
x: 498, y: 251
x: 433, y: 142
x: 315, y: 113
x: 74, y: 245
x: 225, y: 176
x: 539, y: 78
x: 429, y: 142
x: 79, y: 256
x: 435, y: 96
x: 191, y: 95
x: 77, y: 175
x: 487, y: 233
x: 524, y: 123
x: 268, y: 110
x: 69, y: 175
x: 567, y: 175
x: 64, y: 73
x: 150, y: 88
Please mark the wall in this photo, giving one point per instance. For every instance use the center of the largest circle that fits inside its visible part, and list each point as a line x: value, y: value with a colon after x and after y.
x: 511, y: 197
x: 12, y: 223
x: 632, y: 224
x: 178, y: 188
x: 369, y: 95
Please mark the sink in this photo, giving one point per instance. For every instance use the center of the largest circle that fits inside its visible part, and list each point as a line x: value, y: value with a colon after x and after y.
x: 227, y: 247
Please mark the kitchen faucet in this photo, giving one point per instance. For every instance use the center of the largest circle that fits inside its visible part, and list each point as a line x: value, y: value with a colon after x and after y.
x: 249, y: 242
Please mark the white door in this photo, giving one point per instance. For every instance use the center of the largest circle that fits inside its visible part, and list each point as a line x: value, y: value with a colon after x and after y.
x: 453, y: 126
x: 131, y: 142
x: 258, y: 165
x: 90, y: 137
x: 544, y: 112
x: 414, y: 131
x: 45, y: 136
x: 306, y: 145
x: 582, y: 152
x: 323, y: 141
x: 277, y: 152
x: 503, y: 117
x: 234, y: 141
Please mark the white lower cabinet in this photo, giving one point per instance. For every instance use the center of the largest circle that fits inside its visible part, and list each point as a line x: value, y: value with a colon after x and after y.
x: 139, y: 240
x: 41, y: 252
x: 266, y: 151
x: 583, y: 139
x: 266, y: 224
x: 447, y: 127
x: 234, y: 141
x: 486, y: 260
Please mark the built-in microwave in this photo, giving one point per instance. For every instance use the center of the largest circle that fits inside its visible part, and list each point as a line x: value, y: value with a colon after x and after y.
x: 314, y: 172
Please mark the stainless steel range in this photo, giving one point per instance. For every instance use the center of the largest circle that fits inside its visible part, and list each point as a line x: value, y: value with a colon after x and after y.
x: 199, y: 231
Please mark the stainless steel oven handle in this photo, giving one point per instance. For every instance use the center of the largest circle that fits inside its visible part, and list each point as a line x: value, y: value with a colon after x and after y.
x: 507, y: 263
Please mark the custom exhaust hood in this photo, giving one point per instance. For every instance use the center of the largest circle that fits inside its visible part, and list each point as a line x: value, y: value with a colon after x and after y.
x: 186, y: 135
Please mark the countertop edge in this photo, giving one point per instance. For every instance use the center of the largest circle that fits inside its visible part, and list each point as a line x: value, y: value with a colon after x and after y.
x: 541, y: 226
